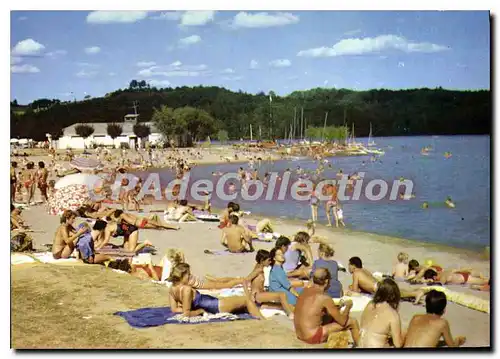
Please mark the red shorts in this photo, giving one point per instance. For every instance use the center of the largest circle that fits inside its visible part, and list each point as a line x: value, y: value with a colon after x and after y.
x: 317, y: 338
x: 465, y: 275
x: 143, y: 223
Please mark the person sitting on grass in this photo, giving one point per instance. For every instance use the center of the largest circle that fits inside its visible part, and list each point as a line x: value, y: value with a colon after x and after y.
x: 362, y: 279
x: 188, y: 301
x: 236, y: 238
x: 85, y: 243
x: 325, y: 254
x: 425, y: 330
x: 257, y: 279
x: 380, y: 319
x: 316, y: 316
x: 66, y: 236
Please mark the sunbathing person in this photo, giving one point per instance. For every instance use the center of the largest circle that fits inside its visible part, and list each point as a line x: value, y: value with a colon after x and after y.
x: 380, y: 319
x: 425, y: 330
x: 174, y: 257
x: 278, y: 280
x: 483, y: 288
x: 188, y: 301
x: 85, y: 243
x: 236, y: 238
x: 256, y: 279
x: 453, y: 277
x: 316, y: 316
x: 90, y: 211
x: 66, y: 236
x: 298, y: 257
x: 224, y: 216
x: 362, y: 280
x: 180, y: 212
x: 140, y: 222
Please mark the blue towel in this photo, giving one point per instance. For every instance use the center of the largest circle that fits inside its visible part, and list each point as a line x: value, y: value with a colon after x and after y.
x: 153, y: 317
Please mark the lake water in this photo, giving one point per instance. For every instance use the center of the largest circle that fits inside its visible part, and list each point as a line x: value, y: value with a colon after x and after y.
x: 465, y: 177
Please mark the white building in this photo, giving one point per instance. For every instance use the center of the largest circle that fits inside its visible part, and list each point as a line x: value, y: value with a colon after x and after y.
x: 70, y: 138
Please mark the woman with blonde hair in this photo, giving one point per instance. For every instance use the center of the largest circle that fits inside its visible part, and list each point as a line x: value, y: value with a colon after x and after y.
x: 185, y: 299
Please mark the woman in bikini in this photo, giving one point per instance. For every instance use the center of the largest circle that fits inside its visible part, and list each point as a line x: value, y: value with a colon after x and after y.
x: 66, y: 236
x: 13, y: 181
x: 380, y: 319
x: 331, y: 205
x: 188, y: 301
x: 143, y: 223
x: 257, y: 279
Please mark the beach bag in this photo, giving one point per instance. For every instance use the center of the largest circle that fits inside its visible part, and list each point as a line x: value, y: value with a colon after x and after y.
x: 21, y: 242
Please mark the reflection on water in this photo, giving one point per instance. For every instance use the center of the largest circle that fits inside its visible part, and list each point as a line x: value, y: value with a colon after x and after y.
x: 465, y: 176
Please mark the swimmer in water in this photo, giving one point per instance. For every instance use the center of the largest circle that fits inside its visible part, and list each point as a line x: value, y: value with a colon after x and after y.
x: 425, y: 205
x: 449, y: 202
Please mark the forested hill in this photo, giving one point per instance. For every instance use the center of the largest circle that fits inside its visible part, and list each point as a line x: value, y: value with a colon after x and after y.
x: 392, y: 113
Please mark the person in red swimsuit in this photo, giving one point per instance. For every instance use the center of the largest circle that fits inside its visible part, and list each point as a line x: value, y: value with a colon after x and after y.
x: 311, y: 324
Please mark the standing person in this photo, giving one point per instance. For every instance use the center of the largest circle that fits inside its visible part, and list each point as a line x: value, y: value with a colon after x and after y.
x: 314, y: 202
x: 316, y: 316
x: 425, y: 330
x: 331, y: 205
x: 381, y: 318
x: 325, y: 254
x: 28, y: 177
x: 41, y: 176
x: 13, y: 181
x: 340, y: 216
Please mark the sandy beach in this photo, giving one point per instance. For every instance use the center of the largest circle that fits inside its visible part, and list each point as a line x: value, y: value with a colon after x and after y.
x: 377, y: 252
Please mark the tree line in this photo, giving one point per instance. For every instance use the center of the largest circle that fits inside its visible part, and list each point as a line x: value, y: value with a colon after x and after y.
x: 391, y: 112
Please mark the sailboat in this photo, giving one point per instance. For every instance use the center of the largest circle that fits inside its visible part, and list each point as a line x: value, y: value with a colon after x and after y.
x: 370, y: 141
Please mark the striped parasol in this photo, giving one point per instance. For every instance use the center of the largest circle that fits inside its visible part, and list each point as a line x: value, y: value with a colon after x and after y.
x: 82, y: 163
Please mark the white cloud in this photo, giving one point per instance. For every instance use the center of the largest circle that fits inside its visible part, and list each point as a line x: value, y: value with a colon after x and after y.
x: 85, y: 74
x: 159, y: 83
x: 254, y: 64
x: 352, y: 32
x: 368, y: 45
x: 22, y: 18
x: 401, y: 64
x: 145, y: 63
x: 112, y: 74
x: 15, y: 60
x: 280, y: 63
x: 87, y: 64
x: 26, y: 68
x: 190, y: 40
x: 109, y: 17
x: 263, y: 19
x: 56, y: 53
x: 175, y: 69
x: 92, y: 50
x: 325, y: 82
x: 28, y: 47
x: 228, y: 71
x: 232, y: 78
x: 169, y: 15
x: 197, y: 18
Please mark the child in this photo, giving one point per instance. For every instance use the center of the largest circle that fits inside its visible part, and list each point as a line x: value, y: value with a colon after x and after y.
x: 425, y: 330
x: 51, y: 188
x: 340, y: 215
x: 325, y: 254
x: 400, y: 270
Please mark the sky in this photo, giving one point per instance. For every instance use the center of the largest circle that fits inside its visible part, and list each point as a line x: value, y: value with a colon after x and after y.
x: 71, y: 54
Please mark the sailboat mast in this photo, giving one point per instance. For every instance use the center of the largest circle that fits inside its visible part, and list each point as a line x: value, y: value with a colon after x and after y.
x: 251, y: 135
x: 302, y: 124
x: 324, y: 127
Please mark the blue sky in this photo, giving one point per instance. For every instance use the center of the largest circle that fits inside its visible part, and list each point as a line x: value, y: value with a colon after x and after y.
x: 56, y: 53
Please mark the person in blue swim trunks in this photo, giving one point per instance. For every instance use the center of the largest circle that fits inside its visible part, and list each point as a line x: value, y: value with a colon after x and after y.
x: 188, y: 301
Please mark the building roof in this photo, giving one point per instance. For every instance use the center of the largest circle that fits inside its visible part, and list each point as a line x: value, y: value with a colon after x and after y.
x: 100, y: 128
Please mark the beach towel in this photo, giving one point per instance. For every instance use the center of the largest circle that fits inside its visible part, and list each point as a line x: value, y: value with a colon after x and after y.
x: 460, y: 298
x: 222, y: 252
x: 153, y: 317
x: 115, y: 252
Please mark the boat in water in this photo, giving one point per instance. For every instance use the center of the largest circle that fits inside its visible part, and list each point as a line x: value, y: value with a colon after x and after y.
x: 371, y: 143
